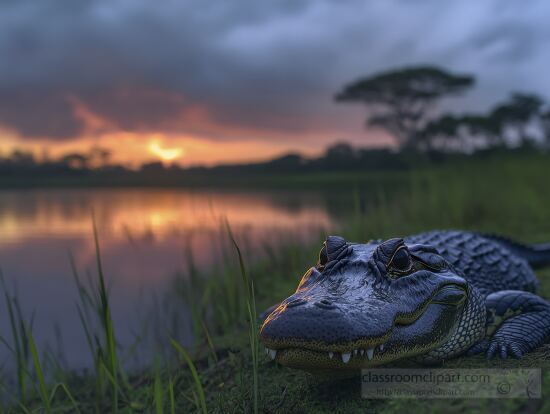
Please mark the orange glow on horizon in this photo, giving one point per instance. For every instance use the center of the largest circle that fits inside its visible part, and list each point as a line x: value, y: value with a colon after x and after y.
x: 192, y: 137
x: 132, y: 149
x: 205, y: 144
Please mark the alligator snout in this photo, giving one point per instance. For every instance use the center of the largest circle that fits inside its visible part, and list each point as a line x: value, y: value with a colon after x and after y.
x: 303, y: 321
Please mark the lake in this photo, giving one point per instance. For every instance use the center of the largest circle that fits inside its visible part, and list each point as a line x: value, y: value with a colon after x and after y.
x: 143, y: 234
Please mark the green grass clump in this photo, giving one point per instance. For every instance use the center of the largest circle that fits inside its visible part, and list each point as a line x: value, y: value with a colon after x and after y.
x: 20, y: 341
x: 200, y: 399
x: 94, y: 309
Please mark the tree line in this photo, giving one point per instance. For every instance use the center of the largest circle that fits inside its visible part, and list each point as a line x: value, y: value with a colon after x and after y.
x: 406, y: 104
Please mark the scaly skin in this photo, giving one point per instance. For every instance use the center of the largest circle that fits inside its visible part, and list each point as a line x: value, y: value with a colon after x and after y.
x: 429, y: 297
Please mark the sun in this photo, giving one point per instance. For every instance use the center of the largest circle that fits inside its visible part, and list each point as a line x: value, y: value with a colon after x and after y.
x: 165, y: 154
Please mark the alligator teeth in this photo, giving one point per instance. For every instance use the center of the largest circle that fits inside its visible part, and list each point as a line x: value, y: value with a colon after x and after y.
x: 272, y: 353
x: 370, y: 353
x: 381, y: 347
x: 362, y: 352
x: 330, y: 355
x: 346, y: 357
x: 267, y: 351
x: 355, y: 351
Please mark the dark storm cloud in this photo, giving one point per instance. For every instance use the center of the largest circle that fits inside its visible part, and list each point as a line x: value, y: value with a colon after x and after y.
x: 257, y: 65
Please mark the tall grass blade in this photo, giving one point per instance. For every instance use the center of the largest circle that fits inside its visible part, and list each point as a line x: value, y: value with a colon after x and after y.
x: 20, y: 361
x: 198, y: 385
x: 67, y: 393
x: 157, y: 389
x: 38, y: 369
x: 111, y: 379
x: 171, y: 395
x: 209, y: 340
x: 252, y: 317
x: 105, y: 314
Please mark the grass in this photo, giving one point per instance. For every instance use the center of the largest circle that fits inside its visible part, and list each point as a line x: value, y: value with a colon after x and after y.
x: 252, y: 318
x: 158, y: 391
x: 109, y: 358
x: 223, y: 372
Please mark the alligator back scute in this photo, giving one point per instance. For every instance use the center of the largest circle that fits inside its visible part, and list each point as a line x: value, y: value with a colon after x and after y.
x: 486, y: 264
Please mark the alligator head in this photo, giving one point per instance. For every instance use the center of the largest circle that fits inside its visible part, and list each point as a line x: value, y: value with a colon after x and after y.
x: 364, y: 305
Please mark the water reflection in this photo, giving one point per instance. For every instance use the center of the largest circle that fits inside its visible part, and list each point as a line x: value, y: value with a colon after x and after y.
x: 143, y: 234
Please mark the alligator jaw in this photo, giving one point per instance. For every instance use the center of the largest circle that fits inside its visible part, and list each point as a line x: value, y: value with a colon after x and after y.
x: 367, y: 353
x: 342, y: 356
x: 320, y: 360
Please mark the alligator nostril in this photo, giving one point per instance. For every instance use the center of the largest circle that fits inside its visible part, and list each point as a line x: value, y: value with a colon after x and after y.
x: 325, y: 304
x: 295, y: 302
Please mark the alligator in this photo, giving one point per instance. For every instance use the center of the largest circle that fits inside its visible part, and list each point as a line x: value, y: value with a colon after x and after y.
x: 428, y: 297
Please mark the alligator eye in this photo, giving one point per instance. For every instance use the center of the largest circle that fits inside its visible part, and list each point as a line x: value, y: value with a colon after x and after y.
x: 323, y: 257
x: 401, y: 260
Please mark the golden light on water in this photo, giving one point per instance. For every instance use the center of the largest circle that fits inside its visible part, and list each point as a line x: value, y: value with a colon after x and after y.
x: 165, y: 154
x: 61, y: 214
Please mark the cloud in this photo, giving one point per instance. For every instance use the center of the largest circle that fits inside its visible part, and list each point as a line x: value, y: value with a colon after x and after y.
x: 244, y: 68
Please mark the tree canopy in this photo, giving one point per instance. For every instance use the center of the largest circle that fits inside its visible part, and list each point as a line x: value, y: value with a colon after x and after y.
x: 516, y: 114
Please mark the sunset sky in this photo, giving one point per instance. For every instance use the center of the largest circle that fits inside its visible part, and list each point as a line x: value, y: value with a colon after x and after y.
x: 203, y: 82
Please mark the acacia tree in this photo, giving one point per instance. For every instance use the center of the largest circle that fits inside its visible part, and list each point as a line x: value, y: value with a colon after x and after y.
x: 545, y: 124
x: 440, y: 134
x: 464, y: 133
x: 402, y: 101
x: 483, y: 129
x: 517, y: 114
